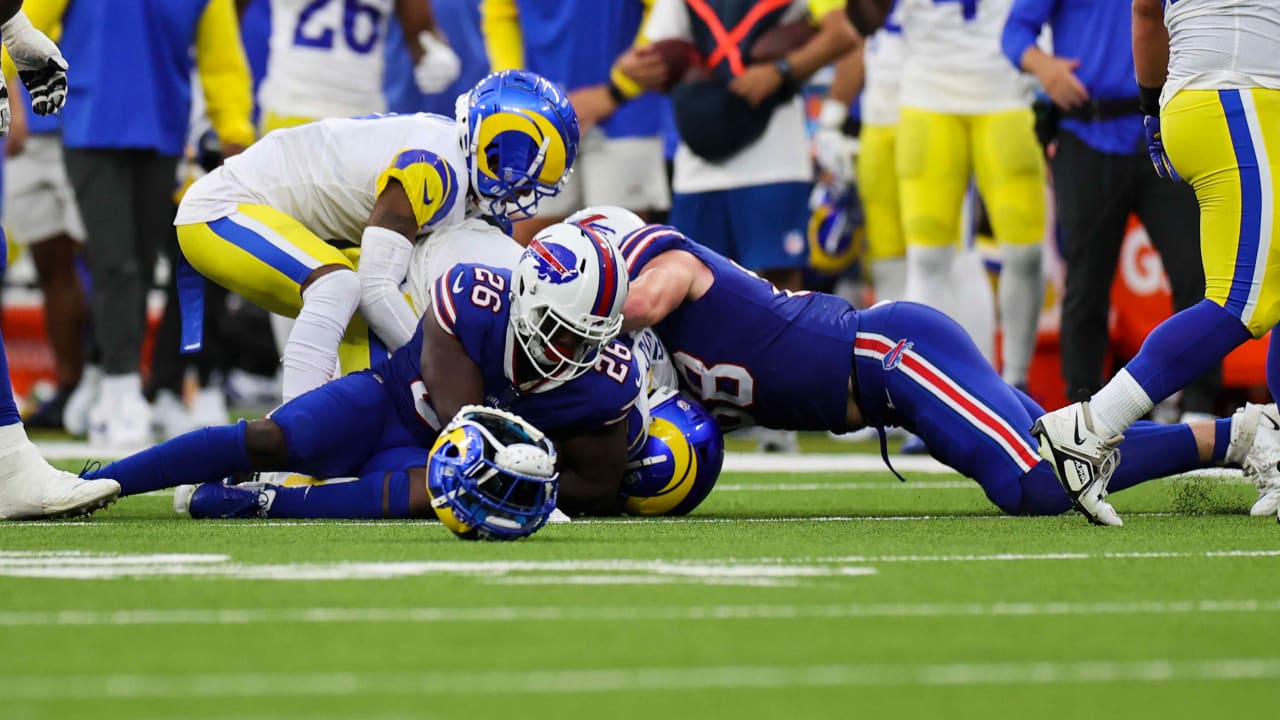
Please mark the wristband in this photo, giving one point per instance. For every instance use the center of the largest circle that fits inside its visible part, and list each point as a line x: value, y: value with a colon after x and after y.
x: 1149, y: 100
x: 617, y: 94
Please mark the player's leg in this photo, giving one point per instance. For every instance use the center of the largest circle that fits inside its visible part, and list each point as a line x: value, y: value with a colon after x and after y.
x: 878, y: 189
x: 1010, y: 174
x: 934, y: 165
x: 1220, y: 144
x: 328, y: 432
x: 29, y: 486
x: 275, y: 262
x: 1092, y: 217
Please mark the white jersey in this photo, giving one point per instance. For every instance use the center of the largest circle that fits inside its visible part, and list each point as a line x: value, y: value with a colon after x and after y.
x: 327, y: 58
x: 327, y: 174
x: 883, y: 60
x: 954, y: 62
x: 472, y: 241
x: 1222, y: 44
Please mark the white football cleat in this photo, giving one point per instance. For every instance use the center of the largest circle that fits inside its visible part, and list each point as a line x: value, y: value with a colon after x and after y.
x: 209, y: 408
x: 1083, y: 460
x: 777, y: 441
x: 122, y: 422
x: 31, y: 488
x: 1261, y: 463
x: 75, y: 415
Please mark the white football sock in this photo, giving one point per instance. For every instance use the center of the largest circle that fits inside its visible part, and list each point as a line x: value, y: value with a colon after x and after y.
x: 972, y: 303
x: 12, y: 437
x: 889, y: 278
x: 311, y: 354
x: 1021, y: 295
x: 1119, y: 404
x: 928, y: 274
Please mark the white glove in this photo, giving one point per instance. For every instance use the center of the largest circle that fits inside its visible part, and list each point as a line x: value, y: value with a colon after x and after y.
x: 837, y: 154
x: 439, y: 66
x: 40, y: 65
x: 834, y: 150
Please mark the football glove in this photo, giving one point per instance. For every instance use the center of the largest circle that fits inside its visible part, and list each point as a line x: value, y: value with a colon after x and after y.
x: 1155, y: 148
x: 439, y: 67
x: 40, y: 64
x: 835, y: 151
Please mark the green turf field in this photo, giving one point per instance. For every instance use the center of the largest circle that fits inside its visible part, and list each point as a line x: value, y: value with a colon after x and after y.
x: 785, y: 595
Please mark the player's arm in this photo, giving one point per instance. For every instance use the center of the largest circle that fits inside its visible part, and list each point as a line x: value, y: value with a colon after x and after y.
x: 667, y: 281
x: 224, y: 75
x: 834, y: 39
x: 868, y: 16
x: 452, y: 378
x: 418, y: 190
x: 591, y: 469
x: 1056, y: 74
x: 637, y: 69
x: 435, y: 65
x: 835, y: 151
x: 500, y: 25
x: 1150, y: 50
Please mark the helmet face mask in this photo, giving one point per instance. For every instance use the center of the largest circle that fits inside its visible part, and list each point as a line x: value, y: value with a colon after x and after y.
x: 521, y: 138
x: 491, y: 475
x: 566, y: 305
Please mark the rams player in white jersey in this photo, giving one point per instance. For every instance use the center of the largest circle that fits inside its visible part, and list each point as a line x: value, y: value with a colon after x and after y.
x: 348, y: 40
x: 966, y: 112
x: 261, y: 225
x: 1209, y: 76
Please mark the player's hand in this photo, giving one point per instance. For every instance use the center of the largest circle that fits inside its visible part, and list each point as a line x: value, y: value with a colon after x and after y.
x: 757, y: 83
x: 836, y: 154
x: 644, y: 66
x: 40, y: 65
x: 439, y: 67
x: 593, y: 105
x: 1058, y: 75
x: 1155, y: 148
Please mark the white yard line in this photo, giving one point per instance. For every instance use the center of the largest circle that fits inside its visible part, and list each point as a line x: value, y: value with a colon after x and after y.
x: 696, y: 613
x: 607, y: 680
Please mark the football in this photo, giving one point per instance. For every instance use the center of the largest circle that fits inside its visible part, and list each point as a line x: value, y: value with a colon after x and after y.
x: 775, y: 43
x: 680, y: 56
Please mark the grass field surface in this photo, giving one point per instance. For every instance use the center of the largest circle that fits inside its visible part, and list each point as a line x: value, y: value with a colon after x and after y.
x: 832, y: 594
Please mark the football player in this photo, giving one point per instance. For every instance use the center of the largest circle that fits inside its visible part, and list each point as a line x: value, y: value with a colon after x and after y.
x: 810, y: 361
x: 538, y: 340
x: 349, y: 41
x: 29, y: 486
x: 258, y: 225
x: 1210, y: 89
x: 965, y: 112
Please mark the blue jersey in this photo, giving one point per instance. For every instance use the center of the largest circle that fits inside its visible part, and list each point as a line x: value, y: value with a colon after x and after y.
x: 751, y: 352
x: 470, y: 302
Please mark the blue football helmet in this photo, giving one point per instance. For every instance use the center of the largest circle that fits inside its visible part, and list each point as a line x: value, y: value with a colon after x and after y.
x: 521, y: 138
x: 492, y: 476
x: 678, y: 463
x: 836, y: 229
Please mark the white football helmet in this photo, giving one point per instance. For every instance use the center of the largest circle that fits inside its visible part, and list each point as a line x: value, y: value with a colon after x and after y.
x: 569, y: 288
x: 610, y: 221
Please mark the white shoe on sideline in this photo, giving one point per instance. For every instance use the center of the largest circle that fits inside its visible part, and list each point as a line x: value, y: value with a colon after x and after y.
x: 75, y: 415
x: 120, y: 422
x: 1083, y: 460
x: 31, y: 488
x: 777, y: 441
x: 209, y: 408
x: 170, y: 416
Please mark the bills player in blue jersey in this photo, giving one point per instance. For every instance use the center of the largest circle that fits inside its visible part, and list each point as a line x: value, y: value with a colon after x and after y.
x: 810, y: 361
x: 538, y: 340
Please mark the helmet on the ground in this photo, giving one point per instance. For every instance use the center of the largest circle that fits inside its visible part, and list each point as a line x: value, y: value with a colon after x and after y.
x: 569, y: 287
x: 678, y: 464
x: 492, y: 475
x: 521, y: 138
x: 612, y: 222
